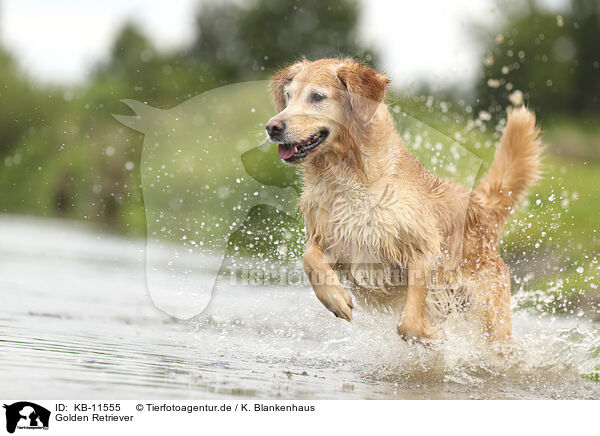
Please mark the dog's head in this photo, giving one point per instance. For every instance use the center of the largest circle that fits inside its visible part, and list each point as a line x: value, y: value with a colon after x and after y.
x: 319, y: 104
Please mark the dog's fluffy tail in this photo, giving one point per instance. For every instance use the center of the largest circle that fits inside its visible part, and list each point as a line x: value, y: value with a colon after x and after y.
x: 515, y: 168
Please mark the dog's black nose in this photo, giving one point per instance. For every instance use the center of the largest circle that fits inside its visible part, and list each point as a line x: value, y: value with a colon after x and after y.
x: 275, y: 128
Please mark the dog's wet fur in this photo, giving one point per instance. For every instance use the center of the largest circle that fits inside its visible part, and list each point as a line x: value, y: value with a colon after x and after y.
x: 371, y: 204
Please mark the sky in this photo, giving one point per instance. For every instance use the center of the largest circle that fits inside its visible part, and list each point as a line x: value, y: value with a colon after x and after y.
x: 60, y: 41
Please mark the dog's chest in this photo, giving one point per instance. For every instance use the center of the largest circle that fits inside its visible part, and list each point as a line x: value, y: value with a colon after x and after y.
x: 353, y: 221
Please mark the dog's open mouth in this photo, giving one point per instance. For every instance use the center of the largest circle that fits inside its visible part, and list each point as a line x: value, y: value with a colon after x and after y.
x: 291, y: 152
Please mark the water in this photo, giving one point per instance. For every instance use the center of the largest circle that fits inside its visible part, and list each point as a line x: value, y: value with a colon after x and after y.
x: 76, y: 322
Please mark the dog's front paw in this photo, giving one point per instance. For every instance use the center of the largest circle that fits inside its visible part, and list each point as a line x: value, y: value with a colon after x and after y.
x: 419, y: 331
x: 337, y: 300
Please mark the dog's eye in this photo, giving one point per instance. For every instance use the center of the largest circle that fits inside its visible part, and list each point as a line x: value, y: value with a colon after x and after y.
x: 317, y: 97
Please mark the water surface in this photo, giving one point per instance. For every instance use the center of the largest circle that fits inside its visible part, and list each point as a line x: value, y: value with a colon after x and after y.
x: 76, y: 322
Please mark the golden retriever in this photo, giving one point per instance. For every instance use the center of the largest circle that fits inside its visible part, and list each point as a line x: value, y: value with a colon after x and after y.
x: 369, y: 203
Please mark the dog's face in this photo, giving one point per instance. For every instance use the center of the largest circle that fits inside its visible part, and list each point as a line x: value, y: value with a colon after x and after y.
x: 318, y: 103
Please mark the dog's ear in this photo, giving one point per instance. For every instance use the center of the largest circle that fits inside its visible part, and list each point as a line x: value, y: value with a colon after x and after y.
x: 279, y: 80
x: 366, y: 89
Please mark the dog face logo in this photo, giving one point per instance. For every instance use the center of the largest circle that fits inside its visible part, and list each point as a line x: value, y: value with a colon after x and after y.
x: 205, y: 166
x: 26, y: 415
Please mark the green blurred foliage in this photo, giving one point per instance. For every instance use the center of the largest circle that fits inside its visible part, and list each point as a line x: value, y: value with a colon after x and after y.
x: 19, y: 106
x: 245, y: 42
x: 551, y: 57
x: 137, y: 70
x: 62, y: 152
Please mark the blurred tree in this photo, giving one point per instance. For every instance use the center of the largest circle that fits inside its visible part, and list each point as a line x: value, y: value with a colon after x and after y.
x: 586, y: 36
x: 246, y: 42
x: 130, y: 50
x: 553, y: 58
x: 19, y: 104
x: 136, y: 69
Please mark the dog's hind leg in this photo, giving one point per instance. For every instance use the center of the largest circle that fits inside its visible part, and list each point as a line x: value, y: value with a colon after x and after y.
x: 492, y: 301
x: 414, y: 326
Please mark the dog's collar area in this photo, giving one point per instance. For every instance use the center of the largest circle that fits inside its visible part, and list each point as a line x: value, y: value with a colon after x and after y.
x: 293, y: 152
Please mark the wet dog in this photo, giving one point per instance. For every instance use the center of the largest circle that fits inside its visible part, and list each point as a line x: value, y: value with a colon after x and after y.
x: 369, y: 203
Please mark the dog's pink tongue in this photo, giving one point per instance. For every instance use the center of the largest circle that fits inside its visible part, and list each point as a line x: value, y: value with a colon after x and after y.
x: 286, y: 151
